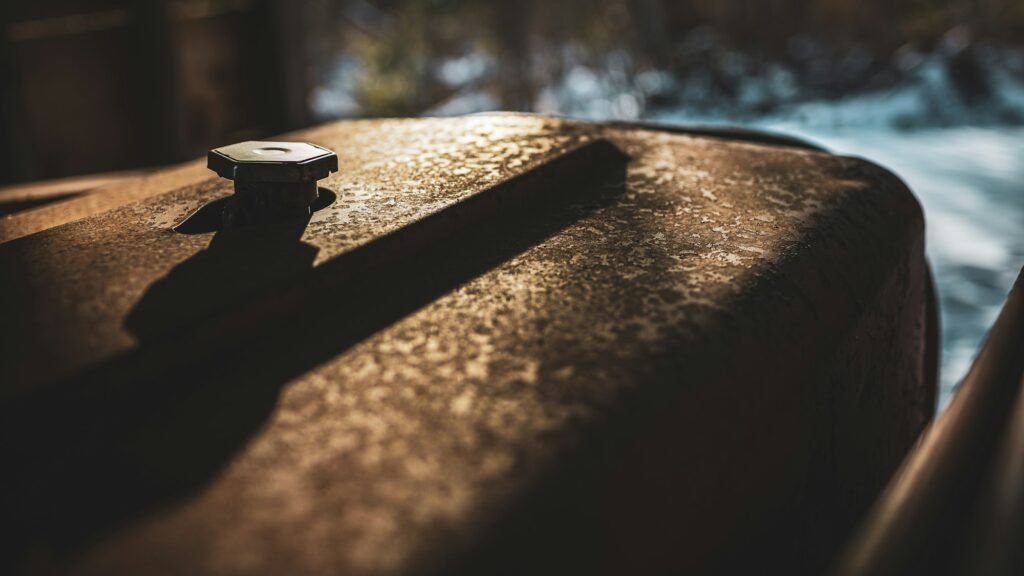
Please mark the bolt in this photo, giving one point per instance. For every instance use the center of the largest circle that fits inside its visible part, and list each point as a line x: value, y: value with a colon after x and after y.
x: 274, y: 181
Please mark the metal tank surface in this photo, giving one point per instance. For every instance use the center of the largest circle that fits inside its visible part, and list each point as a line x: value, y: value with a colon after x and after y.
x: 496, y: 344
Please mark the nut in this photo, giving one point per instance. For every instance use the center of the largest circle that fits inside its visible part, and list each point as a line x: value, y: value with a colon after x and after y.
x: 273, y: 180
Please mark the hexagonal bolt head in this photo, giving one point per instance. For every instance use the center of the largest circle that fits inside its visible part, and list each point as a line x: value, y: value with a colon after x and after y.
x: 274, y: 181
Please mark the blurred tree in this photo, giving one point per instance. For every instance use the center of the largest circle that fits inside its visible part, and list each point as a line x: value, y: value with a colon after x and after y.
x: 511, y: 26
x: 650, y: 27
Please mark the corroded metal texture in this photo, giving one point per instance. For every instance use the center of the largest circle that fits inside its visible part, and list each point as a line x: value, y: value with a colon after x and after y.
x: 513, y: 344
x: 21, y: 197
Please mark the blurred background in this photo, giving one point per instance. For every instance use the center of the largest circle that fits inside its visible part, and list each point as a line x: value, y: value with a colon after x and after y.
x: 932, y: 89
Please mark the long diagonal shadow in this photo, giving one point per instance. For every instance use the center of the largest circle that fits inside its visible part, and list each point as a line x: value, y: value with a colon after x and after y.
x: 143, y: 430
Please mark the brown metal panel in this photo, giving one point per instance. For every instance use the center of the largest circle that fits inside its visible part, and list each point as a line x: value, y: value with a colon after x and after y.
x: 21, y: 197
x: 512, y: 345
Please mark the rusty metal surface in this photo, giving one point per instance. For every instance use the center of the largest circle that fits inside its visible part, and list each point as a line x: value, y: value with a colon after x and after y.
x: 20, y: 197
x: 669, y: 354
x: 98, y: 201
x: 116, y: 256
